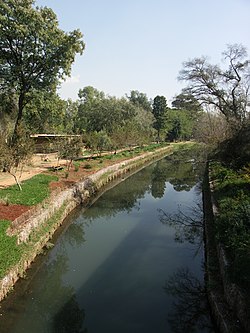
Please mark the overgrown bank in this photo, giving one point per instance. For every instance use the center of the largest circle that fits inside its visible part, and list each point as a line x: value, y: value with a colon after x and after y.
x: 31, y: 232
x: 226, y: 208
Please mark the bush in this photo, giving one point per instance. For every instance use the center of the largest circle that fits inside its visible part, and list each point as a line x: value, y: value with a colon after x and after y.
x: 233, y: 221
x: 87, y: 166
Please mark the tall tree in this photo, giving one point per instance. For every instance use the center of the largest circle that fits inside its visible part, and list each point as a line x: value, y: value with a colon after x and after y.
x: 225, y: 89
x: 97, y: 112
x: 185, y: 101
x: 45, y: 113
x: 159, y: 112
x: 139, y: 99
x: 179, y: 125
x: 34, y: 52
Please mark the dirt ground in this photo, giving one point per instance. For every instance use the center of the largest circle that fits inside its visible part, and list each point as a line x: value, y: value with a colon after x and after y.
x: 39, y: 163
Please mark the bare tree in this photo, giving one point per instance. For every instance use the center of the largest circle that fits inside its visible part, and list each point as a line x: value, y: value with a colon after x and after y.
x: 225, y: 89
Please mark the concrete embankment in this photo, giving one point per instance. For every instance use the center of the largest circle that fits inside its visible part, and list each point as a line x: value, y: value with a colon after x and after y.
x: 228, y: 305
x: 37, y: 226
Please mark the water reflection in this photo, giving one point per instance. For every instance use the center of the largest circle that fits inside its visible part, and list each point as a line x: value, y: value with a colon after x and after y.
x: 70, y: 318
x: 190, y: 312
x: 183, y: 170
x: 187, y: 222
x: 124, y: 197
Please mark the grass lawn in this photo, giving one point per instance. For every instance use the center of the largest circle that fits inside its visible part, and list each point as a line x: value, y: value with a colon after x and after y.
x: 10, y: 252
x: 34, y: 190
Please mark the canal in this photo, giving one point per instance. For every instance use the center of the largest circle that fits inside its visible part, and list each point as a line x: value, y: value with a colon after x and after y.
x: 133, y: 262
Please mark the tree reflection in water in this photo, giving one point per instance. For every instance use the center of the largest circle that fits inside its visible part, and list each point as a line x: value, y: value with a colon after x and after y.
x: 70, y: 319
x: 191, y: 310
x: 188, y: 225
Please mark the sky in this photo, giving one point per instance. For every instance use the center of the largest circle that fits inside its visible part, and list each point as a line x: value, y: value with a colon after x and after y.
x: 142, y: 44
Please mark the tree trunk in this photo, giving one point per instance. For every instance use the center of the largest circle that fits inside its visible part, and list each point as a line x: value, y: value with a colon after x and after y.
x: 16, y: 180
x: 19, y: 116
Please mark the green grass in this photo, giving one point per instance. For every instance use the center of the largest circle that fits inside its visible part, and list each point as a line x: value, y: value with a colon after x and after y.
x: 34, y: 190
x: 232, y: 225
x: 10, y: 252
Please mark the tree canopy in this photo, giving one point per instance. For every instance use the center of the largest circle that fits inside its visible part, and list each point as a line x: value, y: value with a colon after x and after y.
x: 34, y: 52
x: 139, y: 99
x: 159, y: 112
x: 226, y: 89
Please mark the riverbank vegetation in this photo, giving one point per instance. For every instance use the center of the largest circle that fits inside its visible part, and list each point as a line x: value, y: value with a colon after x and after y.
x: 231, y: 190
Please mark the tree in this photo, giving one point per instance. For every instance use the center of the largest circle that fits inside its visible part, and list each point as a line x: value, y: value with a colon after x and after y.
x: 70, y: 149
x: 185, y: 101
x: 97, y: 141
x: 213, y: 129
x: 180, y: 125
x: 98, y: 112
x: 45, y: 113
x: 89, y: 93
x: 8, y: 111
x: 15, y: 155
x: 159, y: 112
x: 70, y: 120
x: 225, y: 89
x: 34, y: 52
x: 139, y: 99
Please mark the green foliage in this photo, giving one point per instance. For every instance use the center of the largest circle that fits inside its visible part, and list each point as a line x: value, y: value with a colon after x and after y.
x: 97, y: 112
x: 15, y: 153
x: 70, y: 149
x: 232, y: 190
x: 10, y: 252
x: 87, y: 166
x: 188, y: 102
x: 46, y: 112
x: 179, y: 125
x: 140, y: 100
x: 233, y: 230
x: 234, y: 222
x: 159, y: 112
x: 34, y: 190
x: 76, y: 166
x: 34, y: 52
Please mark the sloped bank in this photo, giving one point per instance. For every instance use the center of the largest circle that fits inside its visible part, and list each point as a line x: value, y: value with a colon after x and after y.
x: 35, y: 228
x: 226, y: 300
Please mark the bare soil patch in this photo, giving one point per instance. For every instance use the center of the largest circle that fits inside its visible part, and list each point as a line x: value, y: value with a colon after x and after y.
x: 11, y: 212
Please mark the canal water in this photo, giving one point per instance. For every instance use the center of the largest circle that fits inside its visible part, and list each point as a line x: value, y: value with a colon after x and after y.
x: 130, y: 263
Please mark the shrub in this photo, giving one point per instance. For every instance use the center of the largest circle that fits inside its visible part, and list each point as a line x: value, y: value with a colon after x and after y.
x: 87, y: 166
